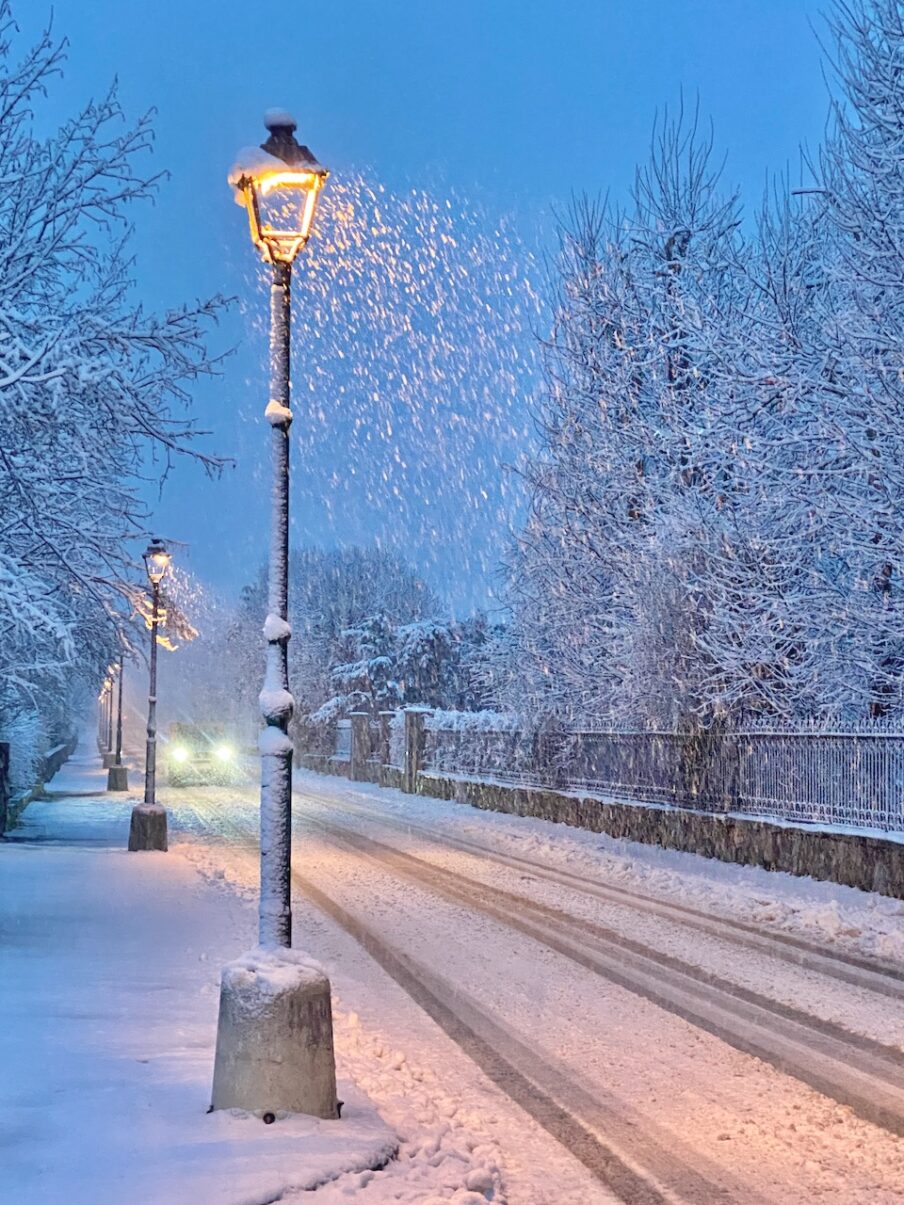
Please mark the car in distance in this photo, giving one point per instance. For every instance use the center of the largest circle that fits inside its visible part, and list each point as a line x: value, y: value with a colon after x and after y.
x: 201, y: 753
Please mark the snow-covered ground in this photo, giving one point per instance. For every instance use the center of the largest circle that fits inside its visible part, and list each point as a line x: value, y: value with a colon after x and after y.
x: 542, y: 1015
x: 108, y: 1002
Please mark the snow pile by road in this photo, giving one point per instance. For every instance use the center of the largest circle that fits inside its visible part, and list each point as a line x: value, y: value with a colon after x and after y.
x: 444, y: 1156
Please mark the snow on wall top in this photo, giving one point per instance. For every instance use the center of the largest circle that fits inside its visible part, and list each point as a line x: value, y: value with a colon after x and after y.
x: 471, y: 721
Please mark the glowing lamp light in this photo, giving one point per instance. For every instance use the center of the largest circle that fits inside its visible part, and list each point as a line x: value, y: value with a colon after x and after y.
x: 279, y: 184
x: 224, y: 753
x: 180, y: 753
x: 156, y: 560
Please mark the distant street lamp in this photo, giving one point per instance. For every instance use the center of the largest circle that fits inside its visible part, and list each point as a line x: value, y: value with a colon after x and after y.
x: 107, y: 755
x: 103, y: 703
x: 148, y: 827
x: 117, y: 773
x: 111, y: 673
x: 122, y: 670
x: 275, y: 1047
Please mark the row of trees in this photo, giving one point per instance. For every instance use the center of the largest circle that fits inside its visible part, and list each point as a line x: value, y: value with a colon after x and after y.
x: 378, y: 666
x: 717, y: 508
x: 367, y: 634
x: 91, y: 387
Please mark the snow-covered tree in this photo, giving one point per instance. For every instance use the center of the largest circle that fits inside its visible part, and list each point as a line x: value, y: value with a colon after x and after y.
x: 606, y: 617
x: 363, y: 677
x: 380, y: 667
x: 91, y: 385
x: 808, y: 605
x: 861, y: 174
x: 331, y: 592
x: 716, y: 522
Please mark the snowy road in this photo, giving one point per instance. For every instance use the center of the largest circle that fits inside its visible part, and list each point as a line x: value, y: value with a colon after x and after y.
x: 620, y: 1024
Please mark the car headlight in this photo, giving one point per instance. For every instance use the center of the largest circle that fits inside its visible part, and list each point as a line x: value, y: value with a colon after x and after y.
x: 179, y: 753
x: 224, y: 753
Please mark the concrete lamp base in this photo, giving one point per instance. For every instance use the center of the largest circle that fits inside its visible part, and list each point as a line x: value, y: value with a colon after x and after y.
x: 275, y: 1037
x: 148, y: 828
x: 108, y: 760
x: 118, y: 778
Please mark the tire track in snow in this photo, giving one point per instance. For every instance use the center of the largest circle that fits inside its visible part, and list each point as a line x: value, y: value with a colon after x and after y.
x: 865, y: 973
x: 853, y: 1070
x: 635, y: 1166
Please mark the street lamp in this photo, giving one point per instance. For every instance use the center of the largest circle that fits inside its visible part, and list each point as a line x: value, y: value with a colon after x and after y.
x: 148, y: 827
x: 275, y: 1049
x: 117, y: 773
x: 279, y: 184
x: 103, y: 718
x: 107, y: 755
x: 111, y: 672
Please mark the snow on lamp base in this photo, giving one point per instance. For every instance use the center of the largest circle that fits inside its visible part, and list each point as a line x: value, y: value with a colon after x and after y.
x: 148, y: 828
x: 275, y: 1037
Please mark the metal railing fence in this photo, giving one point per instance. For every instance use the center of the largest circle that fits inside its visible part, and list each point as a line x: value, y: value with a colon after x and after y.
x: 846, y: 778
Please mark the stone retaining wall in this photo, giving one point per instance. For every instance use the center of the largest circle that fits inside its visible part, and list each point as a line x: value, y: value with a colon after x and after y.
x: 854, y: 860
x: 323, y: 763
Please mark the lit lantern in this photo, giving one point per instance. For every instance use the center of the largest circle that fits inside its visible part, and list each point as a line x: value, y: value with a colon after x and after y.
x: 156, y: 560
x: 279, y: 184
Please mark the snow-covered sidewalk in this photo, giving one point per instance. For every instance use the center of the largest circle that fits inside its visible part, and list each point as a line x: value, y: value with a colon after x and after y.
x: 109, y: 970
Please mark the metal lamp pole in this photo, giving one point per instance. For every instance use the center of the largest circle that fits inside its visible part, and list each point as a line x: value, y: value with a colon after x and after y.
x: 148, y: 827
x: 110, y: 717
x: 122, y: 667
x: 279, y: 184
x: 101, y: 716
x: 276, y: 702
x: 117, y: 773
x: 150, y: 758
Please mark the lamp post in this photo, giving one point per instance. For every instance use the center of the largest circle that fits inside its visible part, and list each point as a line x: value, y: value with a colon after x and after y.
x: 122, y: 670
x: 275, y: 1051
x: 111, y: 675
x: 279, y: 184
x: 118, y: 774
x: 102, y: 716
x: 108, y: 757
x: 148, y: 827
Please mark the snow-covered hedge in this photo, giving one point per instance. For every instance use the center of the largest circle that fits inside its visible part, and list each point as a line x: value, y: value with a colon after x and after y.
x: 490, y: 743
x: 471, y: 721
x: 23, y: 731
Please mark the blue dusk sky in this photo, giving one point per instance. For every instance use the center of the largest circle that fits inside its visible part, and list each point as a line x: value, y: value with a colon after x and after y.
x: 473, y: 118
